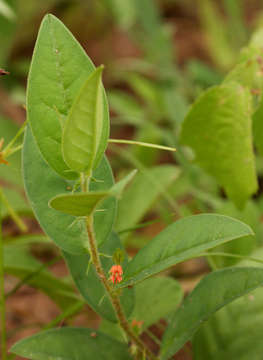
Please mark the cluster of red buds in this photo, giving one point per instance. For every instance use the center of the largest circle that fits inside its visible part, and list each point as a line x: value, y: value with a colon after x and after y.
x: 116, y: 273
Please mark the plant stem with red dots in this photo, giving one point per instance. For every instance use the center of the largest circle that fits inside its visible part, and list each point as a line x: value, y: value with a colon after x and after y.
x: 114, y: 298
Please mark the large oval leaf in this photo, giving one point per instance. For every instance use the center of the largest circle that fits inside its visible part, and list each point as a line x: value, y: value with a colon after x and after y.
x: 83, y: 127
x: 71, y: 344
x: 212, y: 293
x: 218, y: 129
x: 89, y: 284
x: 58, y: 70
x: 42, y: 184
x: 182, y: 240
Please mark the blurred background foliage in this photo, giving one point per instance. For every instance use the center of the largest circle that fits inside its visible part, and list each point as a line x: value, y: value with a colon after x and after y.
x: 159, y: 55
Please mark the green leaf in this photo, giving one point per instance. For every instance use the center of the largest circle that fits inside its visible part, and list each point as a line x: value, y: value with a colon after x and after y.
x: 123, y: 11
x: 218, y: 129
x: 17, y: 201
x: 258, y: 127
x: 180, y: 241
x: 212, y: 293
x: 83, y: 128
x: 127, y: 108
x: 77, y: 204
x: 144, y: 191
x: 89, y: 284
x: 71, y: 343
x: 216, y: 34
x: 7, y: 11
x: 42, y: 184
x: 18, y: 262
x: 156, y: 298
x: 59, y: 69
x: 118, y: 188
x: 7, y: 32
x: 234, y: 332
x: 244, y: 245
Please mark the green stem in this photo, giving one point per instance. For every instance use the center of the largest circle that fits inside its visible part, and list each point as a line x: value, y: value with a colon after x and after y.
x: 2, y: 288
x: 21, y: 225
x: 111, y: 293
x: 140, y: 143
x: 20, y: 132
x: 13, y: 150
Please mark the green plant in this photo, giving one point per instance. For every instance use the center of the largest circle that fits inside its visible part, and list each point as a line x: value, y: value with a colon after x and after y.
x: 70, y: 186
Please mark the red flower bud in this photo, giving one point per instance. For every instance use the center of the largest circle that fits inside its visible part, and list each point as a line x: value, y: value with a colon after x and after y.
x: 116, y: 273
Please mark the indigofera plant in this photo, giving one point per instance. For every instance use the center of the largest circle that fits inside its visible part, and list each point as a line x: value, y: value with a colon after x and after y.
x: 70, y: 185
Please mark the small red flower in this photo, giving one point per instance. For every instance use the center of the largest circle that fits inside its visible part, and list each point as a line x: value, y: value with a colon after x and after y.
x: 116, y: 273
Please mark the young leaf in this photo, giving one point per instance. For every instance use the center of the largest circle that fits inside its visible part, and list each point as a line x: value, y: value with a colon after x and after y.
x: 82, y: 204
x: 216, y: 34
x: 180, y: 241
x: 212, y: 293
x: 83, y: 127
x: 58, y: 71
x: 63, y: 229
x: 118, y: 188
x: 208, y: 129
x: 90, y: 286
x: 140, y: 196
x: 71, y: 343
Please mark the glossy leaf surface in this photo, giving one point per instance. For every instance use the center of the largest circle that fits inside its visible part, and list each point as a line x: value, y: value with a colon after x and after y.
x: 71, y: 344
x: 182, y: 240
x: 58, y: 71
x: 212, y: 293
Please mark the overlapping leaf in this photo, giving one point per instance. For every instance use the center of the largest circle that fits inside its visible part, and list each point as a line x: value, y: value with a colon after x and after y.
x: 83, y: 127
x: 212, y: 293
x: 58, y: 71
x: 42, y: 184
